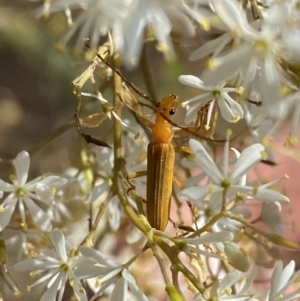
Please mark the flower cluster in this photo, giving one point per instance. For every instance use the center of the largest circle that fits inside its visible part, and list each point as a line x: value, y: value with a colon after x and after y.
x: 128, y: 22
x: 37, y: 191
x: 85, y: 231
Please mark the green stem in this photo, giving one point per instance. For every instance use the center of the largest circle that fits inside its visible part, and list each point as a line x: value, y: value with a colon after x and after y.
x: 119, y: 163
x: 172, y: 253
x: 208, y: 225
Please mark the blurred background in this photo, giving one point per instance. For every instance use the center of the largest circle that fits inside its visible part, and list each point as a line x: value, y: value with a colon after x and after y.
x: 35, y: 93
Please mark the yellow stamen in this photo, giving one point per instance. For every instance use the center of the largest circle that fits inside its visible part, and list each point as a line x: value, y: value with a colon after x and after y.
x: 161, y: 47
x: 64, y: 267
x: 284, y: 91
x: 205, y: 24
x: 261, y: 46
x: 211, y: 189
x: 264, y: 155
x: 292, y: 141
x: 240, y: 90
x: 18, y: 294
x: 183, y: 104
x: 98, y: 282
x: 32, y: 274
x: 71, y: 282
x: 236, y: 119
x: 211, y: 64
x: 265, y: 142
x: 228, y: 132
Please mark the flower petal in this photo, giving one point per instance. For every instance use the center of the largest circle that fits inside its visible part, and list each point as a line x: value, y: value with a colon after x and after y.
x: 229, y: 280
x: 195, y: 194
x: 286, y: 274
x: 54, y: 181
x: 222, y: 236
x: 210, y: 47
x: 227, y: 65
x: 22, y: 163
x: 96, y: 192
x: 231, y: 110
x: 192, y: 81
x: 98, y: 257
x: 205, y: 162
x: 133, y: 287
x: 50, y: 293
x: 77, y: 287
x: 120, y: 291
x: 5, y: 215
x: 248, y: 158
x: 232, y: 15
x: 270, y: 195
x: 40, y: 218
x: 6, y: 186
x: 58, y: 240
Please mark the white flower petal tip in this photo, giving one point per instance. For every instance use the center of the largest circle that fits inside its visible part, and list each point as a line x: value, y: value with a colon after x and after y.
x: 22, y: 164
x: 192, y: 81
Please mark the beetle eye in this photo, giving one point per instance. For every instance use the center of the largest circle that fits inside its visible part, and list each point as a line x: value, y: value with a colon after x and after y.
x: 172, y: 112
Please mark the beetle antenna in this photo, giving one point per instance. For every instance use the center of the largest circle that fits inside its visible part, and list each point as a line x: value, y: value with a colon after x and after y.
x: 130, y: 84
x: 191, y: 132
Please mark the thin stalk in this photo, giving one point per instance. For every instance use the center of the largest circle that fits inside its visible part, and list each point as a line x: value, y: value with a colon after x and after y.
x: 208, y: 225
x: 147, y: 74
x: 62, y: 129
x: 160, y: 263
x: 88, y: 240
x: 119, y: 163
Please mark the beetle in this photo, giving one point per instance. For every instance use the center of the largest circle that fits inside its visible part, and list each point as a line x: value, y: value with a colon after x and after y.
x: 160, y: 165
x: 161, y: 155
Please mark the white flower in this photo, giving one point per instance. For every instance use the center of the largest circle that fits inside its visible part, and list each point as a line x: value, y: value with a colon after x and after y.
x: 127, y: 21
x: 37, y: 190
x: 60, y: 269
x: 109, y: 272
x: 282, y: 279
x: 222, y: 289
x: 95, y: 20
x: 229, y: 182
x: 230, y: 109
x: 160, y: 17
x: 255, y: 59
x: 233, y: 28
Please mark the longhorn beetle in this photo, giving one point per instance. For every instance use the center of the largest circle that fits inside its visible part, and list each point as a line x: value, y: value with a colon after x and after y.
x: 160, y: 155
